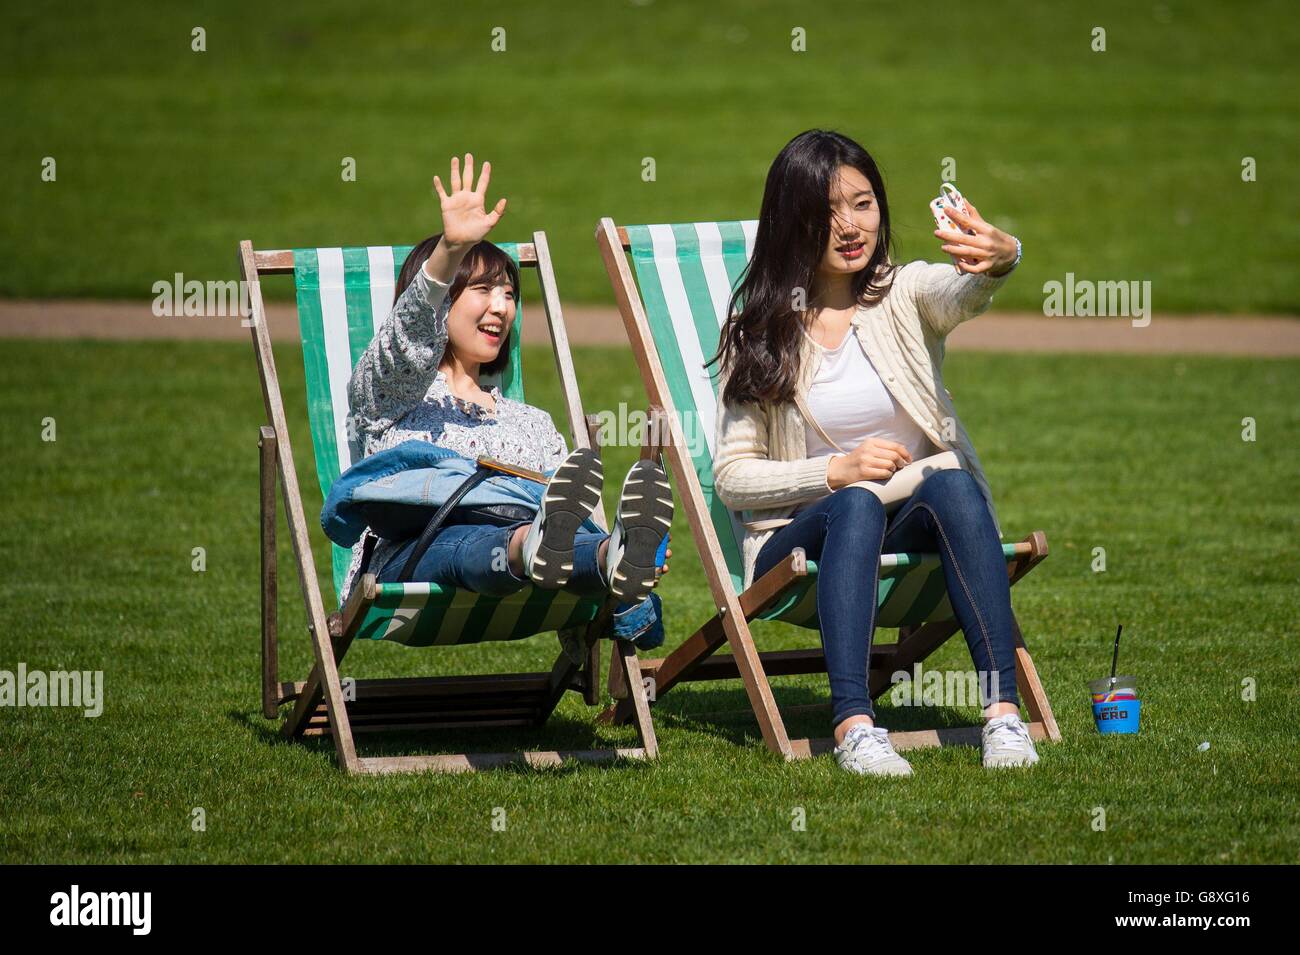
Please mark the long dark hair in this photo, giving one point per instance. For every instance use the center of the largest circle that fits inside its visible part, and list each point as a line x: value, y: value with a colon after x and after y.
x: 761, y: 341
x: 484, y: 262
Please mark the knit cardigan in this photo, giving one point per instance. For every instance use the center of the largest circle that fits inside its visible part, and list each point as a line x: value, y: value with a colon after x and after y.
x: 760, y: 467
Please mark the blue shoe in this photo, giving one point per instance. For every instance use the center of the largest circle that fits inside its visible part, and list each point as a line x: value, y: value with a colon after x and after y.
x: 645, y: 513
x: 570, y: 496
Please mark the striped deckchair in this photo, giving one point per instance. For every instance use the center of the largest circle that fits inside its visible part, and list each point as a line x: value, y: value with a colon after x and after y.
x: 686, y: 273
x: 343, y: 294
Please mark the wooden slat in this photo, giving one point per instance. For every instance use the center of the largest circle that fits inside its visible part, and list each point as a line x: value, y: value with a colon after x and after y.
x: 1031, y: 688
x: 280, y: 261
x: 322, y: 728
x: 511, y: 704
x: 734, y: 626
x: 325, y: 669
x: 419, y: 723
x: 564, y: 677
x: 626, y: 659
x: 270, y: 584
x: 446, y: 686
x: 578, y: 424
x: 565, y: 674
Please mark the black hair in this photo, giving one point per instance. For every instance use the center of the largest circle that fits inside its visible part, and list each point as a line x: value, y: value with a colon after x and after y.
x: 761, y: 340
x: 484, y: 262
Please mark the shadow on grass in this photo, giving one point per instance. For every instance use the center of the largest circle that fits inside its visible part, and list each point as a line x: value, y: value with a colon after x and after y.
x: 560, y: 732
x: 725, y: 711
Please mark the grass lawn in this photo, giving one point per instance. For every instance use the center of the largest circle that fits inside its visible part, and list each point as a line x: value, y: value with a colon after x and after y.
x: 1117, y: 165
x: 155, y: 455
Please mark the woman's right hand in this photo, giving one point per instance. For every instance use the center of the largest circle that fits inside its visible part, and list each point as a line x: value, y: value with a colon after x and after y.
x: 465, y: 219
x: 875, y: 459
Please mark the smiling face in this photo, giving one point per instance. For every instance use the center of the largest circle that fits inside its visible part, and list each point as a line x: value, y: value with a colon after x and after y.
x: 479, y: 321
x: 855, y: 224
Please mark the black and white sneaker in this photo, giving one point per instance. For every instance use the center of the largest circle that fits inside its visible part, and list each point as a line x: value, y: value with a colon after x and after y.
x: 645, y: 514
x: 570, y: 496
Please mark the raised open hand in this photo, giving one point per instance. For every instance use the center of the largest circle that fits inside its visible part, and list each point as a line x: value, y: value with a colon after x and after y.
x: 465, y: 219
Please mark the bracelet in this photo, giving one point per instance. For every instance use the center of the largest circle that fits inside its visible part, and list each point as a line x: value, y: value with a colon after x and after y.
x: 1012, y: 268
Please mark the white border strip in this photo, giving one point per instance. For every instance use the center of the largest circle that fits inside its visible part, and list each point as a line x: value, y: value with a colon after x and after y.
x: 338, y: 354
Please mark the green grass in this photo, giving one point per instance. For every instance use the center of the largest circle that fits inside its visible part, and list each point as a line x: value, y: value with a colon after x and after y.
x: 155, y: 455
x: 1119, y: 165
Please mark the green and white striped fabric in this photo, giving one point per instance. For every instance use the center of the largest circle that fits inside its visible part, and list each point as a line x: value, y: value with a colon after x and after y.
x: 687, y: 272
x: 344, y: 295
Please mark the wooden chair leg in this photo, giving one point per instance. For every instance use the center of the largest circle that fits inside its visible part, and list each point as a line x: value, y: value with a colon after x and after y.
x: 312, y: 691
x: 562, y: 674
x: 625, y: 659
x: 295, y: 516
x: 617, y: 685
x: 270, y: 638
x: 1031, y: 688
x: 591, y: 680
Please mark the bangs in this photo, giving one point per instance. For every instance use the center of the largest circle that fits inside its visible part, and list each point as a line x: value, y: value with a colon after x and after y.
x: 486, y: 263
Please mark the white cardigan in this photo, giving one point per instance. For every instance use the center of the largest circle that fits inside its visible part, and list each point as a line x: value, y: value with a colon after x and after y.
x: 760, y: 467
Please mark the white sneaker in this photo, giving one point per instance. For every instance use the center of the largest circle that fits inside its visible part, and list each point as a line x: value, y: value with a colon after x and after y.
x: 866, y: 750
x: 645, y: 514
x: 570, y: 496
x: 1006, y: 742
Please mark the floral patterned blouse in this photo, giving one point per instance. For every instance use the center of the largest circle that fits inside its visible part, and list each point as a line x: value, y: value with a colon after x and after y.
x: 397, y: 393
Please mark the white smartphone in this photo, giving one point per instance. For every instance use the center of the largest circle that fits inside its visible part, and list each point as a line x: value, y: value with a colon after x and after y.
x: 948, y: 198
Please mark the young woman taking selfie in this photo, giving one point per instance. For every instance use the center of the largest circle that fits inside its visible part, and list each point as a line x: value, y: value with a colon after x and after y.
x: 830, y: 374
x: 419, y: 380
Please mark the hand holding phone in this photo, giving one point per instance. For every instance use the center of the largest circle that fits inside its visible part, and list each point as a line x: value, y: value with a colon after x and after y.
x: 949, y: 197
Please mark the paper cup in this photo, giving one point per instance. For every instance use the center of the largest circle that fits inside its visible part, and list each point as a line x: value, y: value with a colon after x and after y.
x: 1115, y: 709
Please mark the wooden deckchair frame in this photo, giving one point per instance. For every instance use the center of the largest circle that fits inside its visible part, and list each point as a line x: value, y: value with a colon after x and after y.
x: 694, y: 660
x: 496, y: 700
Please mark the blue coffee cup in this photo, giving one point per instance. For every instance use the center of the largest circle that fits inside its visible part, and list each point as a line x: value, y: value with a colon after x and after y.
x: 1116, y: 708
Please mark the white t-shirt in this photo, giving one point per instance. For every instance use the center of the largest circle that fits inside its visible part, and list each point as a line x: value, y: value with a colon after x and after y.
x: 851, y: 403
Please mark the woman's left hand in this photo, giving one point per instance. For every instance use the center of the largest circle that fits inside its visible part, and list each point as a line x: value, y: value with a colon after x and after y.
x: 988, y: 250
x: 664, y: 569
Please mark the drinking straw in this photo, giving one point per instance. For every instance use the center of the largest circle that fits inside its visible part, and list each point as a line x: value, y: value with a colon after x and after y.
x: 1114, y: 662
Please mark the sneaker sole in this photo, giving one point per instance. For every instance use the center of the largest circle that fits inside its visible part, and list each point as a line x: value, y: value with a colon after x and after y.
x: 887, y: 770
x: 571, y: 495
x: 646, y: 507
x: 1011, y: 762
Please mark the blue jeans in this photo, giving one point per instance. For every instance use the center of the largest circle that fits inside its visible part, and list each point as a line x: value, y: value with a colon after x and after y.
x: 473, y: 557
x: 847, y: 531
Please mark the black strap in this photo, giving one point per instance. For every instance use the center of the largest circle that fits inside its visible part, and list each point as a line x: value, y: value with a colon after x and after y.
x: 435, y: 523
x: 367, y: 552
